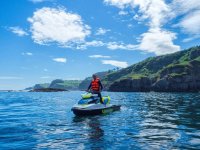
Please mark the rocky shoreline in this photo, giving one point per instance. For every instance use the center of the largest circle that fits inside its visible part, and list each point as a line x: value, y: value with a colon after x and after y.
x: 47, y: 90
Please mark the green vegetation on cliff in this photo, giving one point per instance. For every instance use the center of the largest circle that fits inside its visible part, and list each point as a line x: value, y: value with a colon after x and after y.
x: 182, y: 65
x: 58, y: 84
x: 65, y: 84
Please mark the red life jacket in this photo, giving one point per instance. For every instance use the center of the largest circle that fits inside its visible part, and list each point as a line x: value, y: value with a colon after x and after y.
x: 95, y: 84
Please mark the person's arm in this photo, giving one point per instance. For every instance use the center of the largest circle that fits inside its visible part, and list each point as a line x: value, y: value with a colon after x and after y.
x: 101, y: 86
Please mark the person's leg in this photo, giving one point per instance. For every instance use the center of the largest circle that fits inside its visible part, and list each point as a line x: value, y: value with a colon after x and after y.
x: 95, y: 99
x: 100, y: 96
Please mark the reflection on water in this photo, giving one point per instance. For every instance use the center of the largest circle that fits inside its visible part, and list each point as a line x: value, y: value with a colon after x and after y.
x: 146, y: 121
x: 94, y: 132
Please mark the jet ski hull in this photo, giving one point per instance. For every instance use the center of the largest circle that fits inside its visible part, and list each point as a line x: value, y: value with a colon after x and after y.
x: 98, y: 111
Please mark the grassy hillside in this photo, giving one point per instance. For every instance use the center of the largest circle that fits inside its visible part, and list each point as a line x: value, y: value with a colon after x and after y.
x: 60, y: 84
x: 154, y: 68
x: 41, y: 86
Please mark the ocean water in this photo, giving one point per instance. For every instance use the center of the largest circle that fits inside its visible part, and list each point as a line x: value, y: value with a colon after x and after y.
x: 146, y: 121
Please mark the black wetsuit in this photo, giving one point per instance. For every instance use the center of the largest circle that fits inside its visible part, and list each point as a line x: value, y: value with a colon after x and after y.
x: 97, y: 92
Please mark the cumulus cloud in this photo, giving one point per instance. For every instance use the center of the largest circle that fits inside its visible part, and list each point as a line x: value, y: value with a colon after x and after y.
x: 121, y: 64
x: 56, y: 25
x: 159, y: 42
x: 99, y: 56
x: 102, y: 31
x: 27, y: 53
x: 156, y: 12
x: 19, y: 31
x: 61, y: 60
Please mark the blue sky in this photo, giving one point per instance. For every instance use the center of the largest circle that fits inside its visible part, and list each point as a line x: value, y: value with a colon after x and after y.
x: 41, y: 40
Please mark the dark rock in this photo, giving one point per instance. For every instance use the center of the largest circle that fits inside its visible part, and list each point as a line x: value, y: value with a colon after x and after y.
x: 47, y: 90
x: 131, y: 85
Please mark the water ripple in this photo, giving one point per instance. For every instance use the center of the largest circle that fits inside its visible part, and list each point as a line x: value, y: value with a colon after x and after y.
x: 146, y: 121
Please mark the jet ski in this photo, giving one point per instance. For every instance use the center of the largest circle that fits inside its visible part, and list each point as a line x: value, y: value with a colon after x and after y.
x: 90, y: 105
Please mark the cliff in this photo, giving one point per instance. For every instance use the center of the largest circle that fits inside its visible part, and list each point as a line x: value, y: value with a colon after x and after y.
x: 170, y: 73
x: 56, y: 85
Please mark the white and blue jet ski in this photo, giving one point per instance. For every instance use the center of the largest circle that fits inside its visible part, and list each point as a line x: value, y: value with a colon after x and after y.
x: 90, y: 105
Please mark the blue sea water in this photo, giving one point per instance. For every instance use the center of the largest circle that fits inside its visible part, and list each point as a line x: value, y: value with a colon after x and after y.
x: 146, y: 121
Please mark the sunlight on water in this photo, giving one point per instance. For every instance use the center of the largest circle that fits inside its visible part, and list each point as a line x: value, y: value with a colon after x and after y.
x: 146, y: 121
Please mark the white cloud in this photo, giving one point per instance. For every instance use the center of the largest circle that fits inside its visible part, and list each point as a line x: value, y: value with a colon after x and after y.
x: 119, y: 3
x: 193, y: 37
x: 102, y: 31
x: 121, y: 64
x: 157, y: 13
x: 130, y: 25
x: 109, y: 45
x: 93, y: 43
x: 61, y: 60
x: 191, y: 23
x: 155, y: 10
x: 56, y: 25
x: 99, y: 56
x: 27, y: 53
x: 10, y: 78
x: 159, y: 42
x: 156, y: 39
x: 189, y: 14
x: 122, y: 13
x: 19, y: 31
x: 115, y: 46
x: 184, y: 7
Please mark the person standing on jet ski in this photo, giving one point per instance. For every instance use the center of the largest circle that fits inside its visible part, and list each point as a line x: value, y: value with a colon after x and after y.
x: 96, y: 87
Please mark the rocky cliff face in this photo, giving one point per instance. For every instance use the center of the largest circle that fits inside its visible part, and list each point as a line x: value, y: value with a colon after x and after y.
x: 131, y: 85
x: 40, y: 86
x: 168, y: 83
x: 180, y: 78
x: 178, y: 72
x: 57, y: 84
